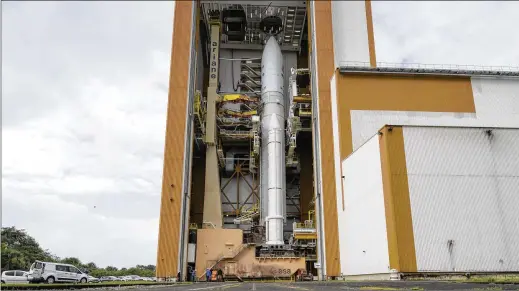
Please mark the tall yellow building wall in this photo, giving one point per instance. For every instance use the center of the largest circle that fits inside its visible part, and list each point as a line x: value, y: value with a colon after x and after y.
x: 171, y: 200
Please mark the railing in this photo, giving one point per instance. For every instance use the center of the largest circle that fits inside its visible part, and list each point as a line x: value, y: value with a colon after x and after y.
x: 209, y: 223
x: 224, y: 255
x: 304, y: 225
x: 453, y: 67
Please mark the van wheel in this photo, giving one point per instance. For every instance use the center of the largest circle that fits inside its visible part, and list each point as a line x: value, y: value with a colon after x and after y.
x: 83, y: 280
x: 50, y: 280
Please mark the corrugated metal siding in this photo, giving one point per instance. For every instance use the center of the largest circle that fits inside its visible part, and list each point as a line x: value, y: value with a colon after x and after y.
x: 464, y: 187
x: 364, y: 123
x: 170, y: 211
x: 324, y: 45
x: 362, y: 223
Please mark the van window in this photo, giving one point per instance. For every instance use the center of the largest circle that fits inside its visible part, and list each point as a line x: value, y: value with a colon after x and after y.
x: 61, y: 268
x: 9, y: 273
x: 73, y: 269
x: 38, y: 265
x: 20, y: 273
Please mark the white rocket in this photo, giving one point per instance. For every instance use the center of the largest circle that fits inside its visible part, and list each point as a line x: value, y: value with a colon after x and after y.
x: 272, y: 165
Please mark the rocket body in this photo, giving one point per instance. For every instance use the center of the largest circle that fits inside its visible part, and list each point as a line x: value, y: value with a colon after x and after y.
x: 273, y: 178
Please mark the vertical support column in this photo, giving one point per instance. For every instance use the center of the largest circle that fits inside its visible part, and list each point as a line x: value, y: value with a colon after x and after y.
x: 212, y: 197
x: 212, y: 97
x: 326, y: 199
x: 371, y: 35
x: 399, y: 221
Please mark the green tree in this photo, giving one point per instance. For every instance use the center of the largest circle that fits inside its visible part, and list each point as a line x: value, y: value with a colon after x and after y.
x: 72, y: 261
x: 20, y: 250
x: 91, y: 266
x: 111, y: 269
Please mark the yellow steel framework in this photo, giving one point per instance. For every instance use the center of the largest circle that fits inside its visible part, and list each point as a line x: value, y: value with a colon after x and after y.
x: 306, y: 230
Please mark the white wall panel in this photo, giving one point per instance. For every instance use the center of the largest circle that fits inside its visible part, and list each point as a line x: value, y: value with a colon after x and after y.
x: 362, y: 223
x: 350, y: 32
x: 464, y: 188
x: 191, y: 253
x: 336, y: 143
x: 365, y: 123
x: 496, y: 98
x: 496, y: 101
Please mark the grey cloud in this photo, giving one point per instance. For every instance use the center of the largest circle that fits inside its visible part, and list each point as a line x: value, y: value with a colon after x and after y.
x: 447, y: 32
x: 51, y: 47
x: 70, y: 229
x: 83, y: 125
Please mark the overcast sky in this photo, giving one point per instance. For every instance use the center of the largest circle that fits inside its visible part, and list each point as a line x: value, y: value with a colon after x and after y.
x: 84, y: 94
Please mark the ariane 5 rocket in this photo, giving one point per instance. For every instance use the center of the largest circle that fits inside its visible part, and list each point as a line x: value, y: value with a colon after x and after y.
x: 272, y: 175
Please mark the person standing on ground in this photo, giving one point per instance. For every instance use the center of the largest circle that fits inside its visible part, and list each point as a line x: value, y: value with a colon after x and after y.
x: 208, y: 274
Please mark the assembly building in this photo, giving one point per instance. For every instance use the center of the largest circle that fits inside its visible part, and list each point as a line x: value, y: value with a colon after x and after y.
x: 290, y: 150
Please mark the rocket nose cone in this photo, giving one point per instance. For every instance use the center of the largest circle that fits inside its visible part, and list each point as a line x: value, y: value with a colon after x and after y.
x: 272, y: 41
x: 272, y: 48
x: 271, y: 44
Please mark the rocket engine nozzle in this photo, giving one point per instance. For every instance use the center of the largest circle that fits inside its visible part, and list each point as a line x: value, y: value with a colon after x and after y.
x: 271, y: 25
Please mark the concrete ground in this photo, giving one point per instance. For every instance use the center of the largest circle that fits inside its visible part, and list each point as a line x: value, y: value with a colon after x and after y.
x: 337, y: 285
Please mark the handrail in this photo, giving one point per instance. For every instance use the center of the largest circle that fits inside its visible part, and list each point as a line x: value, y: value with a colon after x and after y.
x: 223, y: 255
x: 210, y: 223
x: 431, y: 66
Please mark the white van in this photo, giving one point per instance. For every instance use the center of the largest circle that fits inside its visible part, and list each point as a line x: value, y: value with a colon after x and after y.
x: 55, y: 272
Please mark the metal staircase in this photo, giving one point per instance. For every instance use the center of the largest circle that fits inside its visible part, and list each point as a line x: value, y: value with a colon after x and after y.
x: 226, y: 255
x: 250, y: 76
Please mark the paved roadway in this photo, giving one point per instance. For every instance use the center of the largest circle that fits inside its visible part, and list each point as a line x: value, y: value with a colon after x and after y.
x: 339, y: 286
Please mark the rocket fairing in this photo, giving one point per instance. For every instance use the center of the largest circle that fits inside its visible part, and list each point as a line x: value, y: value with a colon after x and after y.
x: 273, y: 142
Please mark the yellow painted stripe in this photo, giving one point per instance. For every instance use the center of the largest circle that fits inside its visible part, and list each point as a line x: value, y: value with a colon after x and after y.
x: 371, y: 35
x: 399, y: 93
x: 402, y: 255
